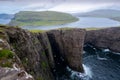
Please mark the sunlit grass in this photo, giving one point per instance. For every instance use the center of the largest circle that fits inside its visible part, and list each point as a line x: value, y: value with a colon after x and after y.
x: 43, y: 18
x: 37, y: 31
x: 92, y: 28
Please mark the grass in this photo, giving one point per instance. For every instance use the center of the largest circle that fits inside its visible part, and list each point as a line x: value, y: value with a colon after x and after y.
x: 6, y: 58
x: 37, y: 31
x: 6, y: 54
x: 43, y: 18
x: 92, y: 28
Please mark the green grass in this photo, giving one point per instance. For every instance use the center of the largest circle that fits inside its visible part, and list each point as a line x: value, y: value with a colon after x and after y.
x: 37, y: 31
x: 6, y: 54
x: 92, y: 28
x: 6, y: 58
x: 43, y: 18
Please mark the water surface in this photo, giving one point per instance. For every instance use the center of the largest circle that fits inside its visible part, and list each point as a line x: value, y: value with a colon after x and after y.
x: 84, y: 22
x: 4, y: 21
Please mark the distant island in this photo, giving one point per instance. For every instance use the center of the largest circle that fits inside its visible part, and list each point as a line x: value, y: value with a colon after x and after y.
x: 6, y: 16
x: 104, y: 13
x: 43, y: 18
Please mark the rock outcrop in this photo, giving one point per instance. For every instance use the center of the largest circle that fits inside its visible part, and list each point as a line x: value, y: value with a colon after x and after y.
x: 68, y: 44
x: 14, y: 74
x: 36, y: 56
x: 108, y: 38
x: 31, y: 52
x: 11, y: 67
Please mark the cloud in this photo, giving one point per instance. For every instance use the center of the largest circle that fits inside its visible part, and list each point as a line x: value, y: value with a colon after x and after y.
x: 83, y: 7
x: 96, y: 1
x: 13, y: 6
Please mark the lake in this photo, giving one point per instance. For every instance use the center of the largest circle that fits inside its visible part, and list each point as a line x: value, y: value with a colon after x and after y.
x: 84, y: 22
x: 4, y: 21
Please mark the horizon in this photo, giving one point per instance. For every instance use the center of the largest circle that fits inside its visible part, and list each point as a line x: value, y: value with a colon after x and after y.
x: 67, y: 6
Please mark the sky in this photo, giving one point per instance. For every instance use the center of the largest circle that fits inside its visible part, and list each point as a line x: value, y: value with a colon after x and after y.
x: 70, y: 6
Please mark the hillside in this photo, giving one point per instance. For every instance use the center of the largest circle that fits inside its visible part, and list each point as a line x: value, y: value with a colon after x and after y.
x: 6, y: 16
x: 43, y: 18
x: 107, y: 13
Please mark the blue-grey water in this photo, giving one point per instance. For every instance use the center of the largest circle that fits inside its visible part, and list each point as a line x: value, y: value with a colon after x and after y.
x: 98, y: 65
x: 4, y: 21
x: 84, y: 22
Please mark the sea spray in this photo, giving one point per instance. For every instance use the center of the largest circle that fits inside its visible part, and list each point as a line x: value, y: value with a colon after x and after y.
x: 87, y: 75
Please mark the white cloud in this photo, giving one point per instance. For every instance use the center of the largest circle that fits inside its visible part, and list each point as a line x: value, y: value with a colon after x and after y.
x: 13, y: 6
x: 65, y: 7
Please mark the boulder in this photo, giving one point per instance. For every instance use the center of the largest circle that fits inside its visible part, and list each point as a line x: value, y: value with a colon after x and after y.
x: 14, y: 74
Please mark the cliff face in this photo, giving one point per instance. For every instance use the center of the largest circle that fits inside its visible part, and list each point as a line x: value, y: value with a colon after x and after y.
x: 105, y: 38
x: 39, y: 53
x: 68, y: 44
x: 32, y: 52
x: 11, y: 67
x: 43, y: 54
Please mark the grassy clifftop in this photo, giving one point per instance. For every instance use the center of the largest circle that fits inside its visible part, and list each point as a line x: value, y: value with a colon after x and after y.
x: 43, y: 18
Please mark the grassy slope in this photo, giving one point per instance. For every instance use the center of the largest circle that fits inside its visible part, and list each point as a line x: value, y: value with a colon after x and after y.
x: 44, y: 18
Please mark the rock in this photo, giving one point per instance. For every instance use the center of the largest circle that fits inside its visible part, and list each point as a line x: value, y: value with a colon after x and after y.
x: 13, y: 74
x: 43, y: 38
x: 7, y: 59
x: 69, y: 45
x: 108, y: 38
x: 38, y: 53
x: 29, y: 49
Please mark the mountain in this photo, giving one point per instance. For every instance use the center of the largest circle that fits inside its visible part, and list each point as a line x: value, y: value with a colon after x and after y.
x: 6, y: 16
x: 107, y: 13
x: 43, y: 18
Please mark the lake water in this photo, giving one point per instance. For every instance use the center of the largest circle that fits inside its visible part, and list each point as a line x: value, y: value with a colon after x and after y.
x: 4, y: 21
x: 84, y: 22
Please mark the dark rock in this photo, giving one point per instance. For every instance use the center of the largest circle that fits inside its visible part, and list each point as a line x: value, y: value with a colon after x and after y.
x: 10, y: 64
x: 31, y: 53
x: 43, y: 38
x: 108, y: 38
x: 69, y: 45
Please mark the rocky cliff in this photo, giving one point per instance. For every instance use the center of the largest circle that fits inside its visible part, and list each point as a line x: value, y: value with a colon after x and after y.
x: 11, y: 67
x: 35, y: 56
x: 68, y: 46
x: 41, y: 56
x: 108, y: 38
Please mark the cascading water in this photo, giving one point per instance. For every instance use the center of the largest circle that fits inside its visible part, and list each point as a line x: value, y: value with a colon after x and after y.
x: 99, y: 64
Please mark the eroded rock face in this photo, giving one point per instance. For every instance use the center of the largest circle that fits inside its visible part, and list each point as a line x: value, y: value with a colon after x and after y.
x: 11, y: 67
x: 105, y: 38
x: 31, y: 53
x: 69, y: 45
x: 43, y: 38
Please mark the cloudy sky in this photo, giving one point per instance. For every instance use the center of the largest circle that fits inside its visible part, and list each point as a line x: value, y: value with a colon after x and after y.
x: 70, y: 6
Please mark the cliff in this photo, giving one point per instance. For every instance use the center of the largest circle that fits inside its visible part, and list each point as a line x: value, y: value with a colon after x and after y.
x: 11, y: 67
x: 68, y: 44
x: 32, y: 56
x: 43, y: 56
x: 107, y: 38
